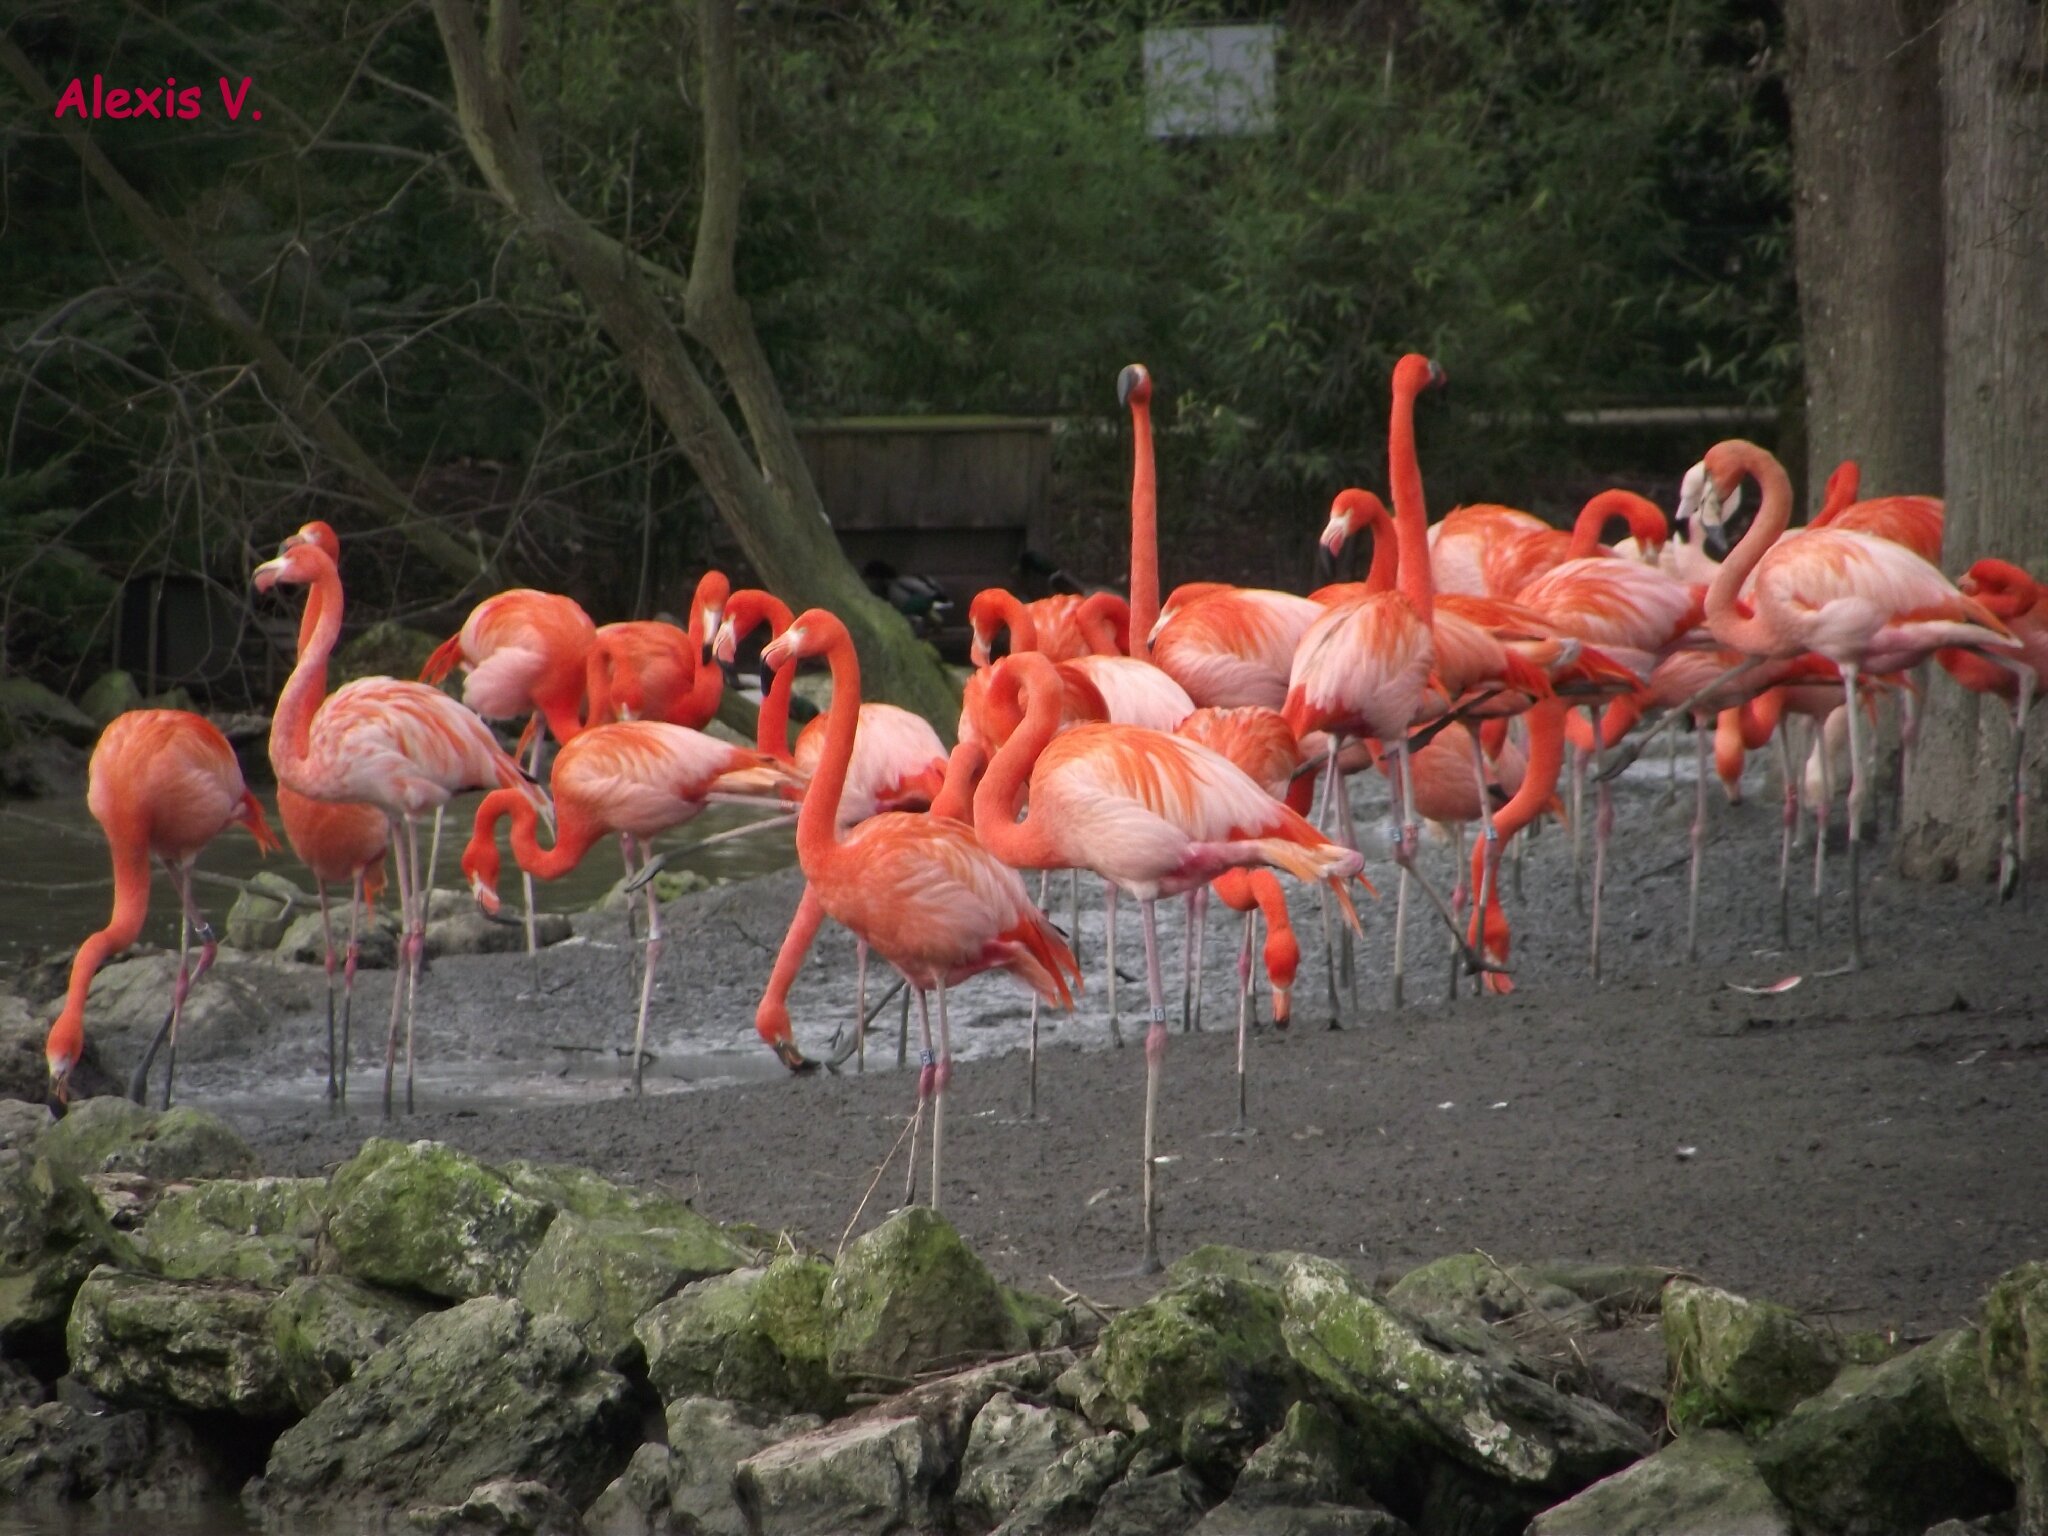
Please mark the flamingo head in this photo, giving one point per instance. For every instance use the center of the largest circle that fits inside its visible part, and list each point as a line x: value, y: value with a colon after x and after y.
x: 297, y: 565
x: 1709, y: 498
x: 1351, y: 508
x: 480, y: 888
x: 1414, y: 373
x: 713, y: 591
x: 319, y: 534
x: 983, y: 617
x: 725, y: 645
x: 60, y: 1054
x: 2001, y: 586
x: 1134, y: 386
x: 814, y: 632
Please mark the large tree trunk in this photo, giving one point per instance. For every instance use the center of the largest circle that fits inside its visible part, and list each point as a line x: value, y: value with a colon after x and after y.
x: 1994, y: 76
x: 771, y: 505
x: 1867, y: 238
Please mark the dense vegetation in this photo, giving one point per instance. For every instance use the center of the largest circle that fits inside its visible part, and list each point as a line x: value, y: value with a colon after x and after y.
x: 950, y: 208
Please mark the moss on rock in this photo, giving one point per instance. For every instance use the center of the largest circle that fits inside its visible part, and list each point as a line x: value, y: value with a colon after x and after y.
x: 1738, y: 1362
x: 326, y: 1326
x: 2014, y: 1352
x: 1705, y: 1484
x: 144, y: 1341
x: 910, y: 1295
x: 753, y: 1336
x: 425, y: 1217
x: 260, y: 1230
x: 113, y: 1135
x: 52, y: 1234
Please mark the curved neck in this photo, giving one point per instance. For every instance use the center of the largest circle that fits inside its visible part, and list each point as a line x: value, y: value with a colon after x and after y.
x: 1842, y: 488
x: 1144, y: 532
x: 1771, y: 517
x: 1011, y: 612
x: 1021, y: 844
x: 817, y: 822
x: 1411, y: 520
x: 1386, y: 554
x: 597, y: 683
x: 771, y: 733
x: 1646, y: 523
x: 131, y: 906
x: 955, y: 799
x: 1105, y: 619
x: 291, y: 727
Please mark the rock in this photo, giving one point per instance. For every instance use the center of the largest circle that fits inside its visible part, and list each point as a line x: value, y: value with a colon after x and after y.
x: 57, y: 1453
x: 425, y: 1217
x: 24, y: 1071
x: 1048, y: 1324
x: 194, y: 1345
x: 41, y: 767
x: 707, y: 1441
x: 1065, y: 1494
x: 1010, y: 1444
x: 263, y: 911
x: 1085, y: 1391
x: 1204, y: 1364
x: 1267, y: 1269
x: 669, y: 885
x: 872, y: 1473
x: 1309, y: 1461
x: 1879, y: 1452
x: 466, y: 931
x: 506, y: 1507
x: 386, y: 649
x: 326, y: 1326
x: 754, y: 1336
x: 1704, y: 1484
x: 259, y: 1230
x: 112, y: 1135
x: 1160, y: 1504
x: 21, y: 1123
x: 304, y: 942
x: 110, y: 694
x: 241, y: 1006
x: 1417, y: 1386
x: 34, y: 710
x: 1234, y: 1517
x: 1737, y: 1362
x: 51, y: 1236
x: 480, y: 1392
x: 1958, y: 1355
x: 1571, y: 1296
x: 910, y: 1295
x: 2014, y: 1350
x: 636, y: 1502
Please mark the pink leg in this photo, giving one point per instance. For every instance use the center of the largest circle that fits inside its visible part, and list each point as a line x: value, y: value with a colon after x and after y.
x: 927, y: 1084
x: 1155, y: 1058
x: 327, y: 947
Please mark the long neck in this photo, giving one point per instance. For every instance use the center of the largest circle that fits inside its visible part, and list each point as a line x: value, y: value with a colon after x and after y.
x: 1771, y: 517
x: 1411, y: 520
x: 1386, y: 555
x: 574, y: 835
x: 817, y: 823
x: 1105, y: 619
x: 707, y: 684
x: 955, y: 799
x: 291, y: 726
x: 131, y: 906
x: 771, y: 733
x: 1013, y: 612
x: 1144, y: 533
x: 1021, y: 845
x: 1841, y: 491
x: 1595, y: 515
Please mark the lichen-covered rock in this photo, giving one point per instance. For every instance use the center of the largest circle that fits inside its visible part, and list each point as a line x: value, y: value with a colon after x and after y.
x: 504, y: 1507
x: 871, y: 1473
x: 259, y: 1230
x: 1010, y: 1444
x: 1576, y: 1297
x: 326, y: 1326
x: 21, y: 1123
x: 1704, y: 1484
x: 263, y: 910
x: 480, y: 1392
x: 304, y: 942
x: 1309, y: 1461
x: 754, y: 1336
x: 1049, y: 1324
x: 111, y: 693
x: 1156, y: 1504
x: 910, y: 1295
x: 426, y: 1217
x: 1416, y: 1386
x: 1064, y: 1496
x: 1738, y: 1362
x: 1879, y: 1452
x: 52, y: 1233
x: 57, y: 1453
x: 707, y: 1441
x: 112, y: 1135
x: 2013, y: 1347
x: 147, y: 1342
x: 1205, y: 1365
x: 636, y: 1501
x: 1267, y: 1269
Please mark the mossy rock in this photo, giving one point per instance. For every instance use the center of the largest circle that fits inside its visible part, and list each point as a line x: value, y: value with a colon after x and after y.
x: 425, y: 1217
x: 52, y: 1235
x: 1309, y: 1460
x: 263, y: 910
x: 1739, y: 1363
x: 1704, y: 1484
x: 385, y: 649
x: 1573, y: 1296
x: 1267, y: 1269
x: 1010, y: 1444
x: 34, y: 710
x: 56, y: 1456
x: 600, y: 1273
x: 110, y: 694
x: 114, y: 1135
x: 754, y: 1336
x: 910, y: 1295
x: 1066, y: 1494
x: 708, y: 1438
x: 1205, y: 1366
x: 263, y: 1231
x: 2013, y: 1348
x: 326, y: 1326
x: 204, y: 1346
x: 1879, y: 1451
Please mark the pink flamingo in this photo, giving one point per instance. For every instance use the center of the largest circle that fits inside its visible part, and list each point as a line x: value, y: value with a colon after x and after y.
x: 2022, y: 603
x: 918, y: 890
x: 1059, y: 627
x: 406, y: 748
x: 162, y: 783
x: 1156, y: 814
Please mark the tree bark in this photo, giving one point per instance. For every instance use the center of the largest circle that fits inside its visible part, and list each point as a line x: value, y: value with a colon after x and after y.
x: 298, y: 396
x: 1994, y: 77
x: 771, y: 505
x: 1867, y: 238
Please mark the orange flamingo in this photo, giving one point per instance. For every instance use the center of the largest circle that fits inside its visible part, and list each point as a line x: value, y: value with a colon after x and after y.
x: 1134, y: 389
x: 1156, y: 814
x: 651, y: 670
x: 1914, y: 521
x: 1865, y: 603
x: 1537, y: 793
x: 406, y: 748
x: 635, y: 778
x: 162, y: 783
x: 918, y: 890
x: 2022, y: 603
x: 340, y: 843
x: 1059, y: 627
x: 1232, y: 647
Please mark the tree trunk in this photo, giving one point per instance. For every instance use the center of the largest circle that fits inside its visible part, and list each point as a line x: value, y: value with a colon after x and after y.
x: 1867, y: 238
x: 771, y: 506
x: 1994, y: 77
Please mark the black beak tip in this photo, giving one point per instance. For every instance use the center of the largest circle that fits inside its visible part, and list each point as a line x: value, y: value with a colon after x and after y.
x: 1130, y: 382
x: 59, y: 1105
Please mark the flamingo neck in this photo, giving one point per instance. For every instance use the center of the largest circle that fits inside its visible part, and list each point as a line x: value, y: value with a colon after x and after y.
x: 1021, y: 844
x: 1728, y: 626
x: 291, y: 727
x: 574, y: 834
x: 1105, y: 619
x: 1013, y: 613
x: 131, y: 906
x: 771, y: 734
x: 817, y: 822
x: 1842, y: 489
x: 1411, y: 519
x: 1646, y: 523
x: 1144, y: 612
x: 955, y: 799
x: 1386, y: 556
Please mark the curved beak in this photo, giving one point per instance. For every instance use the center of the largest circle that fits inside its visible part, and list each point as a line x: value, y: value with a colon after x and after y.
x: 1283, y: 1014
x: 59, y: 1099
x: 724, y: 644
x: 977, y: 651
x: 714, y: 619
x: 1335, y: 532
x: 1134, y: 383
x: 266, y: 575
x: 778, y: 652
x: 485, y: 896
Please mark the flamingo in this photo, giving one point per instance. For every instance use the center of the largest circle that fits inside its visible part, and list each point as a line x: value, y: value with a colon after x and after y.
x: 918, y: 890
x: 1914, y: 521
x: 1156, y: 814
x: 645, y: 669
x: 162, y: 783
x: 1060, y: 627
x: 341, y: 843
x: 1863, y: 602
x: 1232, y: 647
x: 1134, y: 390
x: 2022, y: 603
x: 404, y: 747
x: 636, y: 778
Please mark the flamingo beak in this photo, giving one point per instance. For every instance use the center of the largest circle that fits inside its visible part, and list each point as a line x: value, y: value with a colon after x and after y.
x: 724, y: 644
x: 268, y: 574
x: 1335, y: 532
x: 779, y: 651
x: 60, y: 1089
x: 714, y: 618
x: 1134, y: 384
x: 1283, y: 1014
x: 978, y: 651
x: 485, y: 896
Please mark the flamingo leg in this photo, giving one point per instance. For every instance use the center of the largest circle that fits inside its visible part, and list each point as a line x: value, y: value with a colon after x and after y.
x: 1155, y: 1059
x: 415, y: 950
x: 1404, y: 848
x: 1579, y: 821
x: 1031, y: 1087
x: 1458, y: 894
x: 927, y: 1077
x: 860, y: 1005
x: 1400, y: 934
x: 357, y: 901
x: 941, y: 1079
x: 1074, y: 913
x: 532, y: 939
x: 1789, y: 817
x: 903, y: 1032
x: 1699, y: 839
x: 434, y: 847
x: 1191, y: 953
x: 1821, y: 813
x: 1521, y: 851
x: 1856, y: 793
x: 398, y: 968
x: 192, y: 925
x: 1325, y: 815
x: 2013, y: 856
x: 1116, y: 1031
x: 1244, y: 1018
x: 1603, y: 827
x: 651, y: 958
x: 632, y: 868
x: 1670, y: 770
x: 1347, y: 836
x: 327, y: 946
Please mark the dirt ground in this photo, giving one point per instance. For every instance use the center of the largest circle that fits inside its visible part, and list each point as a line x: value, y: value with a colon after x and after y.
x: 1867, y: 1147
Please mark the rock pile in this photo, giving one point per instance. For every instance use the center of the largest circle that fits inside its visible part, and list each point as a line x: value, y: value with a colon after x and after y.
x: 524, y: 1348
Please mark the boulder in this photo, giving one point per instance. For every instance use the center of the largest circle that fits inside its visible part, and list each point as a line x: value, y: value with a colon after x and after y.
x: 1422, y: 1389
x: 263, y: 910
x: 1235, y: 1517
x: 305, y: 943
x: 22, y: 1123
x: 58, y: 1453
x: 871, y: 1473
x: 1064, y: 1496
x: 40, y: 767
x: 18, y: 1387
x: 1157, y: 1504
x: 1204, y: 1364
x: 1309, y: 1461
x: 425, y: 1217
x: 51, y: 1236
x: 910, y: 1295
x: 480, y: 1392
x: 707, y: 1441
x: 754, y: 1336
x: 635, y: 1503
x: 34, y: 710
x: 1577, y: 1297
x: 25, y: 1071
x: 1010, y: 1444
x: 505, y: 1507
x: 1878, y: 1451
x: 143, y: 1341
x: 110, y: 694
x: 113, y: 1135
x: 1267, y: 1269
x: 242, y: 1005
x: 2013, y: 1348
x: 1704, y: 1484
x: 326, y: 1326
x: 386, y: 649
x: 259, y: 1230
x: 456, y: 927
x: 1738, y: 1362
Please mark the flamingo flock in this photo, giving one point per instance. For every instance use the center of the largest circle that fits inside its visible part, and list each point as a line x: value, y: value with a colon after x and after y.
x: 1168, y: 748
